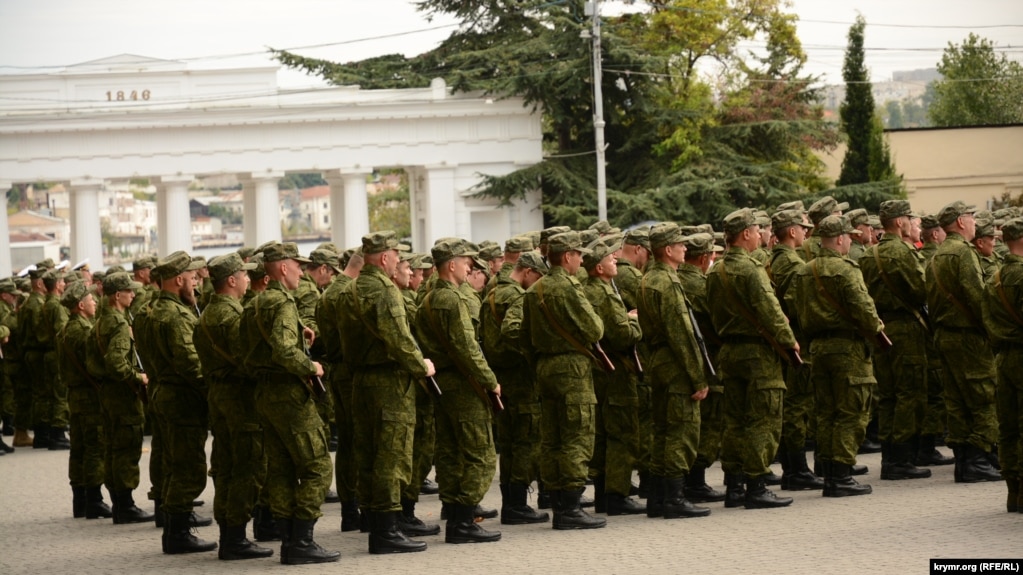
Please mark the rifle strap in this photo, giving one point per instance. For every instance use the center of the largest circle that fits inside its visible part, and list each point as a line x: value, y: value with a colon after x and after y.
x: 831, y: 299
x: 747, y: 313
x: 371, y: 330
x: 557, y: 326
x: 891, y: 287
x: 220, y: 351
x: 955, y: 301
x: 492, y: 299
x: 449, y: 349
x: 1013, y: 312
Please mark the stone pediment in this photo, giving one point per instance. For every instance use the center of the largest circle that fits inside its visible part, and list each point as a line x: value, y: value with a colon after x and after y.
x: 126, y: 60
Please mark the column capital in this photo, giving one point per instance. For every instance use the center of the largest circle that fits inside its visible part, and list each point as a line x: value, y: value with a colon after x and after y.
x: 176, y: 179
x: 356, y: 170
x: 267, y: 175
x: 86, y: 182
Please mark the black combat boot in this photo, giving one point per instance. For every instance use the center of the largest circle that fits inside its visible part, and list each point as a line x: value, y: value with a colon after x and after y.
x: 483, y: 512
x: 178, y: 537
x: 927, y: 454
x: 758, y: 496
x: 675, y: 503
x: 1012, y: 499
x: 870, y: 439
x: 264, y: 528
x: 303, y: 549
x: 196, y: 520
x: 618, y: 504
x: 839, y: 482
x: 857, y: 469
x: 900, y: 465
x: 654, y: 495
x: 385, y: 537
x: 412, y: 525
x: 886, y: 458
x: 58, y: 441
x: 4, y: 448
x: 798, y: 476
x: 644, y: 485
x: 125, y: 511
x: 331, y: 497
x: 95, y: 507
x: 77, y: 502
x: 772, y: 478
x: 735, y: 490
x: 976, y: 467
x: 158, y: 513
x: 351, y: 519
x: 284, y: 527
x: 599, y: 495
x: 429, y: 487
x: 462, y: 526
x: 41, y: 437
x: 568, y: 514
x: 515, y: 510
x: 234, y: 545
x: 8, y: 422
x: 543, y: 498
x: 697, y: 489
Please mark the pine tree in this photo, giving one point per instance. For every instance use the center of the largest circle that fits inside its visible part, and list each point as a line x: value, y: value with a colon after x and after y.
x: 857, y: 111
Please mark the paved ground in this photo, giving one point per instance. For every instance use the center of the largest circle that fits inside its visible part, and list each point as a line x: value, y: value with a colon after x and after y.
x: 894, y: 530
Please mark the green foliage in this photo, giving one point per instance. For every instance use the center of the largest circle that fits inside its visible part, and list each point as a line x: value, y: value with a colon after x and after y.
x: 226, y: 216
x: 300, y: 181
x: 1007, y: 201
x: 390, y: 209
x: 857, y: 111
x: 979, y: 87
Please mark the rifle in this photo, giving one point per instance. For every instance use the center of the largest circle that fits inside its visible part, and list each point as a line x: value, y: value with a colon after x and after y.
x: 883, y: 343
x: 315, y: 382
x: 702, y: 343
x: 602, y: 359
x: 140, y: 390
x: 430, y: 384
x: 635, y: 349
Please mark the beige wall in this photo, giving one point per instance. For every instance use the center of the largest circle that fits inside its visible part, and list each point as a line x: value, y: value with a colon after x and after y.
x: 943, y: 165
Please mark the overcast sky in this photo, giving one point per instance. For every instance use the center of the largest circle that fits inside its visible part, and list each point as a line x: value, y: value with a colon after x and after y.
x: 46, y: 35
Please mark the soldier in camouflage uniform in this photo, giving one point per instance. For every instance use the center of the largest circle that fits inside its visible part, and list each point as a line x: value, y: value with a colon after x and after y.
x: 674, y: 367
x: 52, y: 400
x: 465, y: 457
x: 513, y: 249
x: 31, y: 386
x: 298, y: 463
x: 753, y: 330
x: 386, y: 362
x: 983, y: 243
x: 763, y: 252
x: 860, y: 219
x: 237, y: 435
x: 959, y: 309
x: 85, y: 462
x: 894, y: 275
x: 837, y: 314
x: 141, y: 270
x: 1005, y: 298
x: 179, y: 400
x: 562, y: 328
x: 11, y: 365
x: 110, y: 359
x: 519, y: 423
x: 826, y: 206
x: 933, y: 426
x: 617, y: 419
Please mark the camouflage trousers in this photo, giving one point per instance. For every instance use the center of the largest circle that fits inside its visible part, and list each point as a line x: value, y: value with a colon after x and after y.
x: 843, y: 379
x: 122, y: 426
x: 385, y: 420
x: 52, y: 400
x: 934, y: 422
x: 712, y: 427
x: 754, y: 399
x: 238, y: 459
x: 182, y: 416
x: 21, y: 387
x: 518, y: 427
x: 568, y: 405
x: 424, y: 443
x: 798, y: 418
x: 1009, y: 363
x: 346, y: 475
x: 616, y: 442
x: 156, y: 477
x: 299, y: 470
x: 676, y: 417
x: 465, y: 456
x: 85, y: 460
x: 969, y: 388
x: 38, y: 388
x: 902, y: 382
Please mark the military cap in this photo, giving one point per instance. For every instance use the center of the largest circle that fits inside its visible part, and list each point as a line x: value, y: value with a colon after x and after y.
x: 53, y: 275
x: 857, y: 217
x: 985, y: 224
x: 450, y: 248
x: 283, y: 251
x: 534, y: 261
x: 482, y: 265
x: 329, y: 246
x: 785, y: 218
x: 665, y: 234
x: 690, y: 230
x: 46, y: 264
x: 378, y: 242
x: 7, y: 285
x: 763, y: 220
x: 598, y: 251
x: 323, y: 256
x: 1005, y: 214
x: 953, y: 211
x: 491, y: 252
x: 701, y: 243
x: 833, y: 226
x: 891, y: 209
x: 116, y: 268
x: 143, y: 263
x: 546, y: 234
x: 1011, y: 230
x: 428, y: 261
x: 929, y: 222
x: 518, y: 244
x: 177, y: 263
x: 246, y: 252
x: 97, y: 277
x: 422, y: 262
x: 612, y: 239
x: 825, y: 207
x: 262, y: 247
x: 737, y: 221
x: 533, y: 235
x: 588, y: 236
x: 35, y: 272
x: 223, y: 267
x: 407, y: 257
x: 486, y: 244
x: 796, y: 205
x: 638, y: 237
x: 260, y: 269
x: 874, y: 222
x: 603, y: 227
x: 74, y: 293
x: 82, y: 265
x: 121, y: 281
x: 74, y: 276
x: 566, y: 242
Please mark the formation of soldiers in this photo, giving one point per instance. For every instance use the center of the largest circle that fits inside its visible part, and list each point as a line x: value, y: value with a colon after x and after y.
x: 579, y: 356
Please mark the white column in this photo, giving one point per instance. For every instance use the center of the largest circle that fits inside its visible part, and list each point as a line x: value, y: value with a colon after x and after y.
x: 356, y: 207
x: 5, y: 236
x: 439, y: 204
x: 337, y: 211
x: 176, y: 233
x: 266, y: 217
x: 86, y: 238
x: 248, y: 212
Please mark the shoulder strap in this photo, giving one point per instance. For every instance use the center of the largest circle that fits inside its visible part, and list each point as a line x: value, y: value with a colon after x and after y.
x: 831, y: 299
x: 557, y: 326
x: 259, y: 322
x: 1013, y: 312
x: 492, y: 298
x: 891, y: 287
x: 747, y: 313
x: 220, y: 351
x: 955, y: 301
x: 443, y: 339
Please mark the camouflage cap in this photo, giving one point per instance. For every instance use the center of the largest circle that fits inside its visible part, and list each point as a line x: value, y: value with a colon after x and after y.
x: 283, y: 251
x: 1011, y: 230
x: 875, y: 222
x: 491, y: 252
x: 588, y: 236
x: 7, y: 285
x: 762, y: 219
x: 407, y: 257
x: 796, y: 205
x: 891, y: 209
x: 825, y: 207
x: 638, y: 237
x: 546, y: 234
x: 533, y: 235
x: 121, y: 281
x: 953, y: 212
x: 97, y: 277
x: 834, y: 226
x: 329, y: 246
x: 857, y: 217
x: 1005, y: 214
x: 665, y: 234
x: 117, y: 268
x: 421, y: 262
x: 785, y: 218
x: 598, y: 251
x: 246, y: 252
x: 929, y: 222
x: 323, y: 256
x: 74, y: 293
x: 46, y: 264
x: 260, y: 269
x: 225, y: 266
x: 566, y: 242
x: 35, y: 272
x: 534, y: 261
x: 450, y: 248
x: 378, y: 242
x: 737, y: 221
x: 176, y: 263
x: 985, y: 224
x: 262, y: 247
x: 143, y: 263
x: 53, y: 275
x: 604, y: 227
x: 518, y: 244
x: 428, y: 261
x: 701, y: 243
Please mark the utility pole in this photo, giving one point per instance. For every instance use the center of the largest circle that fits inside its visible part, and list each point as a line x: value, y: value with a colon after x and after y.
x: 598, y: 112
